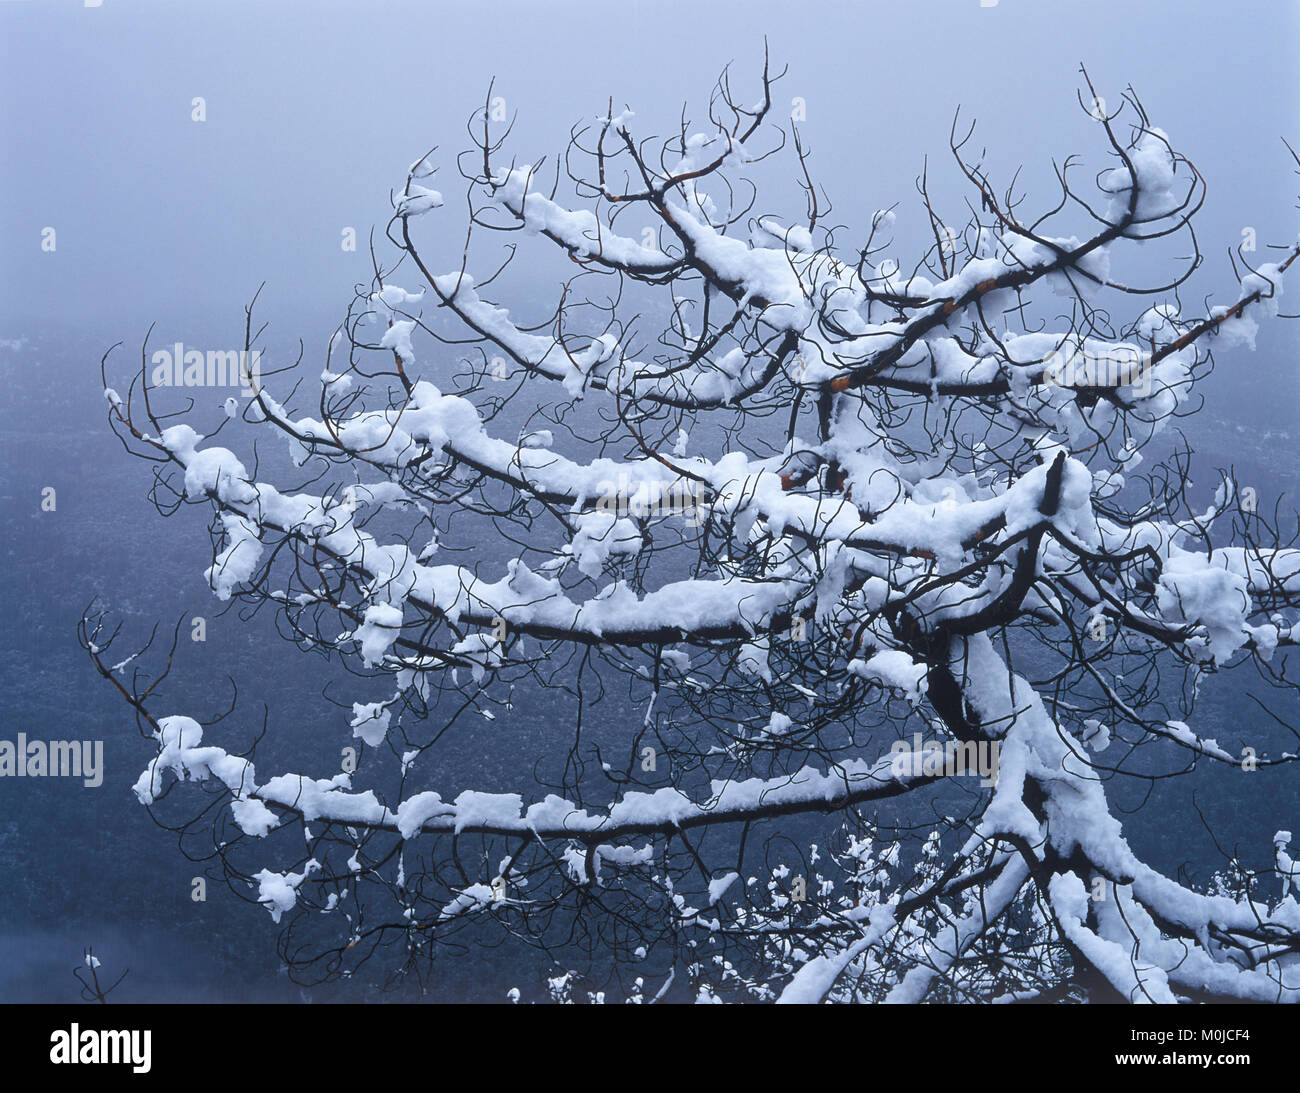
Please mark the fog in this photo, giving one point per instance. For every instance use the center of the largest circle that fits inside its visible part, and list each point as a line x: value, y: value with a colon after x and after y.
x: 311, y: 115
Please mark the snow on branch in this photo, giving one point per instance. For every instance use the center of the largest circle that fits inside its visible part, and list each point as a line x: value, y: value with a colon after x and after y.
x: 729, y: 550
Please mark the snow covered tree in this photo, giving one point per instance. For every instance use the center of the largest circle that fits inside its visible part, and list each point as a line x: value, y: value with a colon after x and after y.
x: 789, y: 507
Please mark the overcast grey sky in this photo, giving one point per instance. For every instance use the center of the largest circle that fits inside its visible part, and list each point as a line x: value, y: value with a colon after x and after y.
x: 314, y: 110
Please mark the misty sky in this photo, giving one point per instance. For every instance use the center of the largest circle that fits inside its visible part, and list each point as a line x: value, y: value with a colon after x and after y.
x: 314, y: 111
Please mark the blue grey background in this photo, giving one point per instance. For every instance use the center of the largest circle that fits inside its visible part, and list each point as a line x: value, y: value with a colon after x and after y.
x: 314, y: 111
